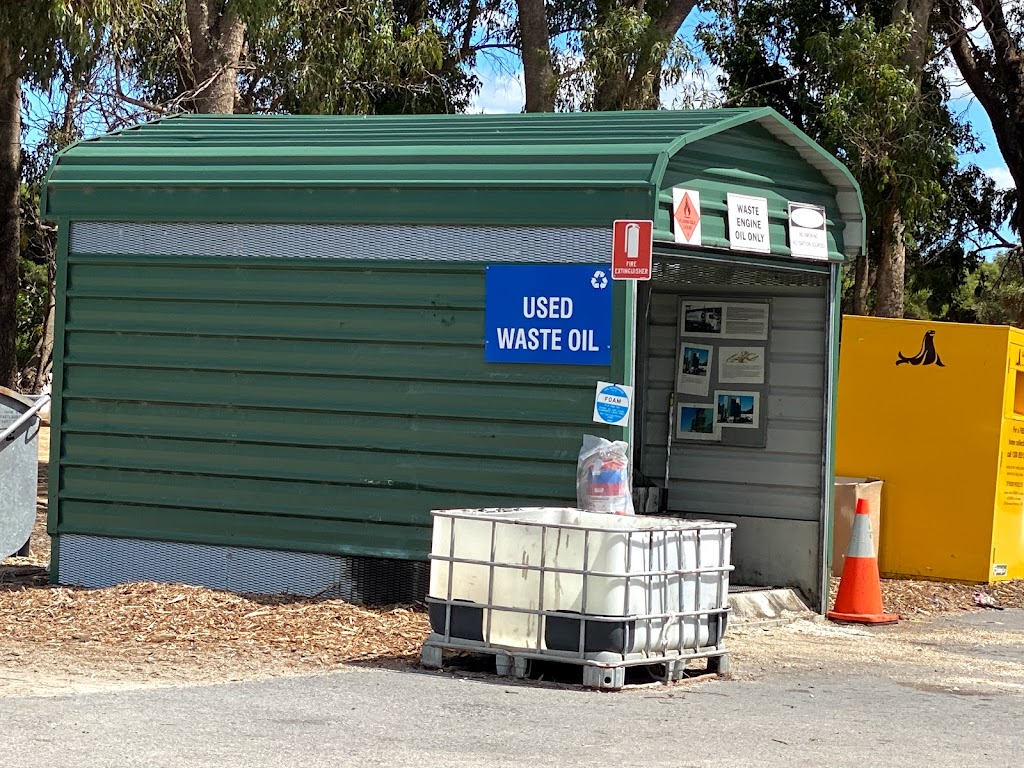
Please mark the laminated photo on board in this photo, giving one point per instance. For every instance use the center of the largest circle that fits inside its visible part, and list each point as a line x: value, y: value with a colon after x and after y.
x: 703, y: 319
x: 694, y: 373
x: 725, y: 320
x: 696, y: 421
x: 739, y: 410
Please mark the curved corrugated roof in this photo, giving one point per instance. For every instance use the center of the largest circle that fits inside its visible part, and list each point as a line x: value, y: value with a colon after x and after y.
x: 567, y: 169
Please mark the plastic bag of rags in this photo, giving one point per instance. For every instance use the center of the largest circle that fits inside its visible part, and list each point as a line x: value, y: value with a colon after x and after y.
x: 603, y: 482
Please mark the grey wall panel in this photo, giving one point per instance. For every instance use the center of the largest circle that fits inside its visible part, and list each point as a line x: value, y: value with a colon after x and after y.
x: 781, y: 481
x: 780, y: 553
x: 785, y: 438
x: 717, y: 500
x: 735, y: 467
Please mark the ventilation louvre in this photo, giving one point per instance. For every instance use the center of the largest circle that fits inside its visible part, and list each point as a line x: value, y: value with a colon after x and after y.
x: 99, y: 561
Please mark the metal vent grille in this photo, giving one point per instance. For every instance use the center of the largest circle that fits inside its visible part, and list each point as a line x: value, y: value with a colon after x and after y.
x: 310, y: 241
x: 700, y: 272
x: 98, y: 561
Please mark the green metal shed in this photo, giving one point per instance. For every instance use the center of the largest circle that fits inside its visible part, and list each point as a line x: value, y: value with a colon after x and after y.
x: 269, y: 359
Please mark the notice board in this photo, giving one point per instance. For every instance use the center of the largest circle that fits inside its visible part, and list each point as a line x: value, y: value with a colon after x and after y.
x: 721, y: 372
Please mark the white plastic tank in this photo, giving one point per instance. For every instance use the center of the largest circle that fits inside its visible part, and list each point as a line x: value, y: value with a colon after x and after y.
x: 662, y: 583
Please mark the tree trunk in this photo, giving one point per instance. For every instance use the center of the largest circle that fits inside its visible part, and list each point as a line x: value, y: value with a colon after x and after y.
x: 10, y: 213
x: 892, y: 262
x: 890, y: 278
x: 996, y: 78
x: 861, y: 273
x: 643, y: 91
x: 609, y: 92
x: 45, y: 353
x: 538, y: 70
x: 641, y: 88
x: 216, y: 37
x: 916, y: 54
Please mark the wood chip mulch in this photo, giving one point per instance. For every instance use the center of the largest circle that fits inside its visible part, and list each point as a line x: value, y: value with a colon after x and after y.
x: 928, y: 598
x: 179, y: 618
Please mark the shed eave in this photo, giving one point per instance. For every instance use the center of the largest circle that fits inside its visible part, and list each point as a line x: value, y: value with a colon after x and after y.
x: 847, y: 190
x: 848, y: 198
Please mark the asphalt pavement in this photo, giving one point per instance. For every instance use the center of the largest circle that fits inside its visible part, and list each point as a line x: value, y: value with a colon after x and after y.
x: 379, y: 717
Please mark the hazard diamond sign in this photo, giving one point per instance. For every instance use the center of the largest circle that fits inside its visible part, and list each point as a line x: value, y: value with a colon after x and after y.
x: 632, y: 246
x: 686, y: 215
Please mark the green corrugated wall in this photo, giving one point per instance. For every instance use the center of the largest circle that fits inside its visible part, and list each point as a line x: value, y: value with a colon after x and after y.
x: 294, y: 404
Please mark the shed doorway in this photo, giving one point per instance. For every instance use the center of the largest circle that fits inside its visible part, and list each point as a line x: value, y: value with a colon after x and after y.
x: 763, y: 464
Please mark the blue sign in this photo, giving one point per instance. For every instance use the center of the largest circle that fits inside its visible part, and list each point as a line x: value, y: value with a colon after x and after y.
x: 612, y: 404
x: 559, y: 314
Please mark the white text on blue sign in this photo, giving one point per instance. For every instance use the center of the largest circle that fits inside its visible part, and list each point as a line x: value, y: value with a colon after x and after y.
x: 555, y: 308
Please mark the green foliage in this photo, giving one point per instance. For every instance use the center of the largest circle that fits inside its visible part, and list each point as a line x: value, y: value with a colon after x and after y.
x: 761, y: 46
x: 312, y: 57
x: 994, y: 294
x: 621, y: 42
x: 836, y: 69
x: 901, y: 143
x: 841, y: 79
x: 35, y: 265
x: 950, y: 246
x: 51, y: 35
x: 31, y: 309
x: 611, y: 45
x: 895, y: 139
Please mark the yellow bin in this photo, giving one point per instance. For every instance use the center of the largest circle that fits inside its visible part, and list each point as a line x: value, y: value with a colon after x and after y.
x: 936, y: 410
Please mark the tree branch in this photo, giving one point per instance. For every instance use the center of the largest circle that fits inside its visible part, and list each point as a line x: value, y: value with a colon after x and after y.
x: 467, y: 33
x: 963, y: 51
x: 122, y: 96
x: 739, y: 97
x: 995, y: 25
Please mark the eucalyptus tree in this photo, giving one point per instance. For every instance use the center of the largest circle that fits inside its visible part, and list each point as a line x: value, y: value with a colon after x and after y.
x: 986, y: 40
x: 865, y: 79
x: 298, y: 56
x: 39, y: 40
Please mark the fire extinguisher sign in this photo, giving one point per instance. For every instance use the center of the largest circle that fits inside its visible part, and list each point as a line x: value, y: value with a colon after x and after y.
x: 632, y: 249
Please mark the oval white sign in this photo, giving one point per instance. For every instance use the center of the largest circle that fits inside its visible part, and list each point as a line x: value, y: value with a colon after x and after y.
x: 807, y: 217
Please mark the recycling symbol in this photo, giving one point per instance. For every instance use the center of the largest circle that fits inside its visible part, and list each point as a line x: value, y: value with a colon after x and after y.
x: 599, y: 280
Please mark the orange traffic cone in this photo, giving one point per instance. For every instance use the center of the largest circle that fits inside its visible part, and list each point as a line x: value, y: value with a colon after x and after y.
x: 860, y: 590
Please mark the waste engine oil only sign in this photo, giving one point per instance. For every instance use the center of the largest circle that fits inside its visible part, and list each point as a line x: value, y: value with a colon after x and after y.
x: 559, y: 314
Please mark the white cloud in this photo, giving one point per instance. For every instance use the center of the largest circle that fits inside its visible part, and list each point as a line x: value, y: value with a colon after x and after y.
x: 501, y: 91
x: 1001, y: 176
x: 958, y: 90
x: 697, y: 89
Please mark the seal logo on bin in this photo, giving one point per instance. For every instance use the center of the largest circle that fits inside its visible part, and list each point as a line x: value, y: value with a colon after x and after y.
x: 927, y: 355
